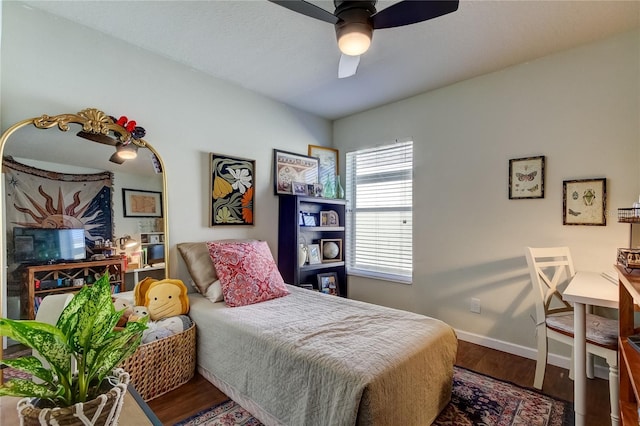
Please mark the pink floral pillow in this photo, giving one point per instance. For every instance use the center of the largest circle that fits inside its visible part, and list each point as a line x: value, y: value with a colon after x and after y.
x: 247, y: 272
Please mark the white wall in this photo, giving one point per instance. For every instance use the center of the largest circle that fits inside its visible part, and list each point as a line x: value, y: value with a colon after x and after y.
x: 52, y: 66
x: 579, y: 108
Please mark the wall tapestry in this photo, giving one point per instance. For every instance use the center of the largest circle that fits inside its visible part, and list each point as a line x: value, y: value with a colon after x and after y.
x: 232, y: 190
x: 37, y: 198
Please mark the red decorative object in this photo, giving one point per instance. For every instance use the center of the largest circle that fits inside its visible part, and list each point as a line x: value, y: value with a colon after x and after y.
x: 137, y: 132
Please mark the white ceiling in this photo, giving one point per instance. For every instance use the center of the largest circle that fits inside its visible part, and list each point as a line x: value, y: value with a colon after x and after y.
x: 294, y: 59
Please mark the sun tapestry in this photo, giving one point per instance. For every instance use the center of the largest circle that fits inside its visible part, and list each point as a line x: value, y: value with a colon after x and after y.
x: 37, y: 198
x: 232, y: 194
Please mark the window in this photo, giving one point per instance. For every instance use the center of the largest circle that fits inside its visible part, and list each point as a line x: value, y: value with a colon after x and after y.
x: 379, y: 186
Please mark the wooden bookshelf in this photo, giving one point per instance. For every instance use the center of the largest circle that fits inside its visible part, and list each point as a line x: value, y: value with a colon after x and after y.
x: 628, y: 357
x: 66, y: 273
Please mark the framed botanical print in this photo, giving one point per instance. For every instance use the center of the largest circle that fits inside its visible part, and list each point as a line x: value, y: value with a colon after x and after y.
x: 232, y: 190
x: 584, y: 202
x: 526, y: 178
x: 289, y: 168
x: 329, y: 163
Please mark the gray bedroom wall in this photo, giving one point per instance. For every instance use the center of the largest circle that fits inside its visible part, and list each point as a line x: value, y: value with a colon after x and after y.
x: 579, y: 109
x: 52, y: 66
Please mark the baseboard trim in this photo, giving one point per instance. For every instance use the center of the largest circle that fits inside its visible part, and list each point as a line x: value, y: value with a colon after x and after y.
x: 600, y: 371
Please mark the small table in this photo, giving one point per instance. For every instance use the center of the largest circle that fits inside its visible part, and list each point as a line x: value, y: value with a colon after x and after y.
x: 135, y: 412
x: 156, y: 272
x: 586, y: 288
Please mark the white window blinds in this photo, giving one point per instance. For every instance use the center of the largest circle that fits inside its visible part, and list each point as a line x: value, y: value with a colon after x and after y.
x: 379, y: 185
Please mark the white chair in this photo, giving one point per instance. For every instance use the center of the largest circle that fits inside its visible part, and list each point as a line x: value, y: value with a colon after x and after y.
x: 550, y: 268
x: 49, y: 311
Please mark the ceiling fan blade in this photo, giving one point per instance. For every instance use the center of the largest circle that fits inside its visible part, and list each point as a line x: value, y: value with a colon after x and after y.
x: 97, y: 137
x: 411, y: 11
x: 307, y: 9
x: 348, y: 65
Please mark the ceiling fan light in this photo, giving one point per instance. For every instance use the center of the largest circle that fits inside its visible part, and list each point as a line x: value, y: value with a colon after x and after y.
x: 354, y: 38
x: 115, y: 158
x: 128, y: 151
x: 354, y: 44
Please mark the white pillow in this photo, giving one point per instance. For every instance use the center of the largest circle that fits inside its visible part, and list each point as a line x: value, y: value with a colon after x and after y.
x: 214, y: 292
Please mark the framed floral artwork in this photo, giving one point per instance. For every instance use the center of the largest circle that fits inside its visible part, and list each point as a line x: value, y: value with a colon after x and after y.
x: 584, y: 202
x: 232, y: 190
x: 526, y: 178
x: 289, y: 167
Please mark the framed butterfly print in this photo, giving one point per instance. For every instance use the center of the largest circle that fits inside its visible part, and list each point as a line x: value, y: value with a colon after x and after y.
x: 526, y: 178
x: 584, y: 202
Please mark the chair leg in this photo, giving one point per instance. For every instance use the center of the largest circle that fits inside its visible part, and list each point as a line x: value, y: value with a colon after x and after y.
x: 541, y: 361
x: 571, y: 364
x: 590, y: 362
x: 613, y: 393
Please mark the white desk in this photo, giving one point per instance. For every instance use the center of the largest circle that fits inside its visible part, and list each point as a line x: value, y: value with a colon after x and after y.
x: 586, y: 288
x: 145, y: 272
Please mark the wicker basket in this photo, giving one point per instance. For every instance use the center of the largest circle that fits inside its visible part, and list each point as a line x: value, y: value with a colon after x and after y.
x: 161, y: 366
x: 103, y: 410
x: 629, y: 258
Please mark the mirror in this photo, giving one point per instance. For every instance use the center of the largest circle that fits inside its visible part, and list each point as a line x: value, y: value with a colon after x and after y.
x: 66, y: 146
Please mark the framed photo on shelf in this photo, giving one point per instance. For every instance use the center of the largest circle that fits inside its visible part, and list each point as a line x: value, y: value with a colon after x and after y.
x: 584, y: 202
x: 309, y: 219
x: 318, y: 190
x: 329, y: 165
x: 313, y: 252
x: 329, y: 218
x: 289, y: 167
x: 328, y: 283
x: 140, y: 203
x: 232, y: 195
x: 526, y: 178
x: 331, y: 249
x: 300, y: 188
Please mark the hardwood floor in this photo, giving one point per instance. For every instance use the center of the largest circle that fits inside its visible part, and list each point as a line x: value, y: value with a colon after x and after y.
x: 199, y: 394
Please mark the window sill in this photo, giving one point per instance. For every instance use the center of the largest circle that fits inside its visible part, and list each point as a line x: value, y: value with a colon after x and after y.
x: 380, y: 276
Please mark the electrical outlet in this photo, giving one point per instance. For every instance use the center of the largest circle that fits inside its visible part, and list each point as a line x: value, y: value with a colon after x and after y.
x: 475, y: 306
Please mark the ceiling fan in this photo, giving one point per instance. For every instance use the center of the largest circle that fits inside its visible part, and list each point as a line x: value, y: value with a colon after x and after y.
x: 355, y: 21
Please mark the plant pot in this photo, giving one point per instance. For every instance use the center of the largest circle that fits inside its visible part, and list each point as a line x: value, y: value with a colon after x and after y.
x: 103, y: 410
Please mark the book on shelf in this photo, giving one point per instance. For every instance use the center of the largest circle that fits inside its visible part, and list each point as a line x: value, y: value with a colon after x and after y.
x: 36, y: 303
x: 634, y: 341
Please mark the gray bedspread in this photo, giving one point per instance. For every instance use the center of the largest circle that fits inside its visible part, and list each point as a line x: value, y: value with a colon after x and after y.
x: 314, y: 359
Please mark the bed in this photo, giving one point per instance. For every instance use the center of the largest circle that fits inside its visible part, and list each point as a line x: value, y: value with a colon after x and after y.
x: 309, y: 358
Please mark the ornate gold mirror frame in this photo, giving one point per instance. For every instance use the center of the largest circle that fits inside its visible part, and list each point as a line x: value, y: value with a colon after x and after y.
x: 94, y: 123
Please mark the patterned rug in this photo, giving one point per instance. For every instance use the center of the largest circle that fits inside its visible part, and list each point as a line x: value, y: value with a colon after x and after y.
x: 477, y: 400
x: 11, y: 373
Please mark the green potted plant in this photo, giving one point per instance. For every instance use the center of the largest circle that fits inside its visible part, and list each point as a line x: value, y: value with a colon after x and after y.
x: 85, y: 334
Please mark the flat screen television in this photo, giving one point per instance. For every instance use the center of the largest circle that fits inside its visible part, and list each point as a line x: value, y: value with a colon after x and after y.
x: 155, y: 254
x: 45, y: 245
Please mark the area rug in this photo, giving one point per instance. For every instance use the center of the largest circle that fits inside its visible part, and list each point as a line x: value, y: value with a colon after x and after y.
x: 11, y: 373
x: 477, y: 400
